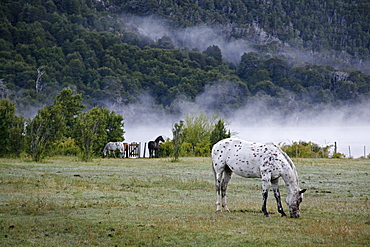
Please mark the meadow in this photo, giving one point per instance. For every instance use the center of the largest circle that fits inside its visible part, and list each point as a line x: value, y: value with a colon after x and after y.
x: 156, y: 202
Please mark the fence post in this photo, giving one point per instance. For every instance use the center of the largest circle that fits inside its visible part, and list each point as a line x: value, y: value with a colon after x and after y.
x: 296, y: 151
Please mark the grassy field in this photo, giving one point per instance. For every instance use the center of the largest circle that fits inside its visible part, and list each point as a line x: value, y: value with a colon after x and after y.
x: 141, y: 202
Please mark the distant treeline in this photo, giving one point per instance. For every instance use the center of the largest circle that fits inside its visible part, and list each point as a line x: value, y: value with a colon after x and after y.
x: 49, y: 45
x: 62, y: 128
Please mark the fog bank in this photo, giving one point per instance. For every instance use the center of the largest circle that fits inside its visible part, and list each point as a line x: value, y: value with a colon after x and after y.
x: 259, y: 120
x: 202, y: 36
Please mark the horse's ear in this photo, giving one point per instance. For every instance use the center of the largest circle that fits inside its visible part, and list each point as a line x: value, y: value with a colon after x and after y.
x: 302, y: 191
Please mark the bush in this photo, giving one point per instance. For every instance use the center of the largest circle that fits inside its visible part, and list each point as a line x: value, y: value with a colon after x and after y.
x: 304, y: 149
x: 67, y: 147
x: 203, y: 149
x: 166, y: 149
x: 186, y: 149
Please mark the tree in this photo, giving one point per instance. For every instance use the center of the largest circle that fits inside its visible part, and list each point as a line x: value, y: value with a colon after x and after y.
x: 114, y: 126
x: 71, y: 106
x: 17, y: 136
x: 196, y: 128
x: 95, y: 128
x: 215, y: 52
x: 176, y: 131
x: 89, y: 128
x: 195, y: 134
x: 7, y: 112
x: 219, y: 132
x: 11, y: 130
x: 44, y: 130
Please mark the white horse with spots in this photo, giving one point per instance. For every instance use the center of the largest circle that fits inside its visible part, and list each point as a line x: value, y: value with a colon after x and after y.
x: 253, y: 160
x: 112, y: 147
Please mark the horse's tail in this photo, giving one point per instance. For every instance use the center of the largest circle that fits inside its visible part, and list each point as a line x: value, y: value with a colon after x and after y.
x: 104, y: 153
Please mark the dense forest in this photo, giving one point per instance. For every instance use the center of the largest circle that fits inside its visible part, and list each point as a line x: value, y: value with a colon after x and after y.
x: 306, y: 51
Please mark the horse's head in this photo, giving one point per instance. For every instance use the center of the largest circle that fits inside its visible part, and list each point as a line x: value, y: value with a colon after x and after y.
x: 159, y: 138
x: 293, y: 201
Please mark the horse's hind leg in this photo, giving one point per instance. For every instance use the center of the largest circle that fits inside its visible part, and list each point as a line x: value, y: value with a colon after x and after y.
x: 266, y: 178
x: 218, y: 178
x: 224, y: 183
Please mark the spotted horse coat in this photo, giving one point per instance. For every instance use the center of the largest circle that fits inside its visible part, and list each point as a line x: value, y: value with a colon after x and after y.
x: 253, y: 160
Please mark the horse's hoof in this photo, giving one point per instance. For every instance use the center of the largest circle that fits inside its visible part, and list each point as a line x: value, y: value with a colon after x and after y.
x: 218, y: 211
x: 266, y: 215
x: 227, y: 211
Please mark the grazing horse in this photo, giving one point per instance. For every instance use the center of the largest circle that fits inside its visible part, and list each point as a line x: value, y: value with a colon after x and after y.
x: 153, y: 146
x: 112, y: 147
x: 253, y: 160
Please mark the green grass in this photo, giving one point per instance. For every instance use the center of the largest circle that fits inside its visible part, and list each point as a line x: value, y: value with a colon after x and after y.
x: 141, y: 202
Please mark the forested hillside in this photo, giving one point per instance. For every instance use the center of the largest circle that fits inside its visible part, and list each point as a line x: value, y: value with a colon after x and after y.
x: 311, y: 52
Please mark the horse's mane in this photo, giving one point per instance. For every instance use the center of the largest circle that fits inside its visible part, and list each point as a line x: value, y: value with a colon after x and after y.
x: 158, y: 138
x: 290, y: 162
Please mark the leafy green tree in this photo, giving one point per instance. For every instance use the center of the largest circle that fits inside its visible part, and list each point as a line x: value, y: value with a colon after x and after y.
x: 17, y: 136
x: 196, y: 128
x: 47, y: 127
x: 215, y: 52
x: 89, y: 132
x: 219, y: 132
x: 177, y: 140
x: 267, y: 87
x: 71, y: 106
x: 114, y: 126
x: 11, y: 130
x: 346, y: 90
x: 7, y: 113
x: 195, y: 135
x: 95, y: 128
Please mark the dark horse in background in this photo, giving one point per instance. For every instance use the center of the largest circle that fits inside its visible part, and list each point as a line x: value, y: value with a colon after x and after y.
x: 153, y: 147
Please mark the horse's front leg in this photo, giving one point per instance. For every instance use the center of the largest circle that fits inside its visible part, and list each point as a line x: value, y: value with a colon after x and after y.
x: 265, y: 190
x: 275, y: 187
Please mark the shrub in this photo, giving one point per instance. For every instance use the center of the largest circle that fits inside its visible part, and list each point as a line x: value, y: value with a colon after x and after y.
x: 304, y: 149
x: 67, y: 146
x: 186, y: 149
x: 202, y: 149
x: 166, y: 148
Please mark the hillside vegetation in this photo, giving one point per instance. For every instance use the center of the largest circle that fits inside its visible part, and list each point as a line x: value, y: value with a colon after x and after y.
x: 95, y: 48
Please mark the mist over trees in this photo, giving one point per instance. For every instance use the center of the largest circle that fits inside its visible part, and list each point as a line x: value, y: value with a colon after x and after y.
x: 300, y: 53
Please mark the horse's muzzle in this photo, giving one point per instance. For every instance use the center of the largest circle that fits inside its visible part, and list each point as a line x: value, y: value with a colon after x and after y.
x: 295, y: 215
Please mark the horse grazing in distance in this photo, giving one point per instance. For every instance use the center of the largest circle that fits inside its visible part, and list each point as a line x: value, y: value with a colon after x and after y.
x: 253, y: 160
x: 153, y: 146
x: 113, y: 146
